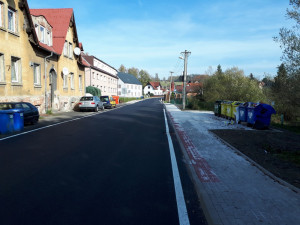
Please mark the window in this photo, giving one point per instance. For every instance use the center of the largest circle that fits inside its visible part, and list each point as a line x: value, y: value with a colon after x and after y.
x: 72, y: 80
x: 1, y: 15
x: 15, y: 70
x: 11, y: 20
x: 49, y: 38
x: 66, y: 48
x: 2, y: 70
x: 80, y: 82
x: 70, y: 50
x: 37, y: 74
x: 65, y: 81
x: 42, y: 34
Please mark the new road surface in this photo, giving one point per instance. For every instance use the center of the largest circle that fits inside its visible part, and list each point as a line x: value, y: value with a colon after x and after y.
x: 120, y: 166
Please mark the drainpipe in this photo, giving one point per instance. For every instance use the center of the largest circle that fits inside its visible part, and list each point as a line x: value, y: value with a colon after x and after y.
x: 90, y: 76
x: 45, y: 65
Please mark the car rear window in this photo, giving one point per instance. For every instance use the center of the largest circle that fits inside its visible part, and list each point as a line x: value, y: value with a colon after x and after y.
x: 104, y: 99
x: 4, y: 106
x: 86, y: 99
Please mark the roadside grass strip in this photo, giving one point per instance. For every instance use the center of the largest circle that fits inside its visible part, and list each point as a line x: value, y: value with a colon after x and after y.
x: 181, y: 206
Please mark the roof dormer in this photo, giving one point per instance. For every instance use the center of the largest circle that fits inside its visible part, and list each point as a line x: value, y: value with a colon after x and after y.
x: 43, y: 30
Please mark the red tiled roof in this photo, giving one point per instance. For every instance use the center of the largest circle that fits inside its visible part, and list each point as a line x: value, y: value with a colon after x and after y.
x: 190, y: 87
x: 155, y: 85
x: 59, y: 19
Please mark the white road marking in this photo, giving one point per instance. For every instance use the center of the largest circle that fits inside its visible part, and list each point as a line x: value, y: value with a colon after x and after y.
x: 181, y: 206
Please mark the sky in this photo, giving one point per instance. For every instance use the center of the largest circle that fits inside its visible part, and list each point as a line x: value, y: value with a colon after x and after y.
x: 152, y: 34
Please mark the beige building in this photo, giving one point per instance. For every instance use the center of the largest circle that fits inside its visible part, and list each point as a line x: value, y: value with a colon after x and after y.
x: 101, y: 75
x: 35, y: 44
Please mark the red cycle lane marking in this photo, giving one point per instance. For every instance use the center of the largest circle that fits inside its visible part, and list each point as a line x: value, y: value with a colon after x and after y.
x: 202, y: 168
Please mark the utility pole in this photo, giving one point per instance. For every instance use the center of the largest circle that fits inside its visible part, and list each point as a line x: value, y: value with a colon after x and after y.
x: 186, y: 55
x: 170, y: 86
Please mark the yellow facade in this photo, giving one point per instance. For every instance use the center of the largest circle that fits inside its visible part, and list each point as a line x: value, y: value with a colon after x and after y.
x: 22, y: 64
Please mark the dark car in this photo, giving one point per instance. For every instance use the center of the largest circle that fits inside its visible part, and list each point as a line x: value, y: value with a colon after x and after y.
x: 108, y: 102
x: 30, y: 112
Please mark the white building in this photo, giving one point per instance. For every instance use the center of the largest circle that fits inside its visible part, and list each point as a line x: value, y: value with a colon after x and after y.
x: 101, y: 75
x: 129, y: 85
x: 153, y: 88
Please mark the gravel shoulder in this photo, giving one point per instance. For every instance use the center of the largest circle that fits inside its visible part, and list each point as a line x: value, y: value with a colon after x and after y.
x: 275, y: 150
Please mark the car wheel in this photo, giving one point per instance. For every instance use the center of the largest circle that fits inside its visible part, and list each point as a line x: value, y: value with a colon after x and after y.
x: 102, y: 108
x: 96, y: 109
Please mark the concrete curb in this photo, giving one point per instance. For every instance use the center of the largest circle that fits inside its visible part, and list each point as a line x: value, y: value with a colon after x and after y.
x: 209, y: 210
x: 266, y: 172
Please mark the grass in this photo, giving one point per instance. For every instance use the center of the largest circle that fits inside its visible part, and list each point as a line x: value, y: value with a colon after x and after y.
x: 287, y: 125
x: 196, y: 104
x: 292, y: 128
x: 287, y: 156
x: 125, y: 99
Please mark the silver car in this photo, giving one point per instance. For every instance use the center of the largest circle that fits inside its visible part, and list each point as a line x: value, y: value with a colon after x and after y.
x: 90, y: 103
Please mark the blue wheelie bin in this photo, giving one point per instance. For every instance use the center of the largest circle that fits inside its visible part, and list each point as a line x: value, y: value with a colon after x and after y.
x: 6, y: 121
x: 263, y: 113
x: 243, y: 112
x: 251, y: 115
x: 18, y: 119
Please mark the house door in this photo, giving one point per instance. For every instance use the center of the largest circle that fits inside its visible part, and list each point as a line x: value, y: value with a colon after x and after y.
x: 53, y: 87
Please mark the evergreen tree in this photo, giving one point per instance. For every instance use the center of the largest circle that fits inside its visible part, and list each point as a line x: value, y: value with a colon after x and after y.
x: 219, y: 70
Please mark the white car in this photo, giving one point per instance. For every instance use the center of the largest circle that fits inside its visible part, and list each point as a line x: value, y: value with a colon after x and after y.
x: 90, y: 103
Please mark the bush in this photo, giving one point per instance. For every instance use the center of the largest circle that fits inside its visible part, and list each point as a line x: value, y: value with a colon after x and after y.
x: 127, y: 99
x: 198, y: 104
x: 93, y: 91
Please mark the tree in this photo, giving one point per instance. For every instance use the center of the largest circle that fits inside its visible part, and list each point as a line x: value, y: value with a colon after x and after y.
x: 232, y: 85
x: 144, y: 77
x: 281, y: 91
x: 287, y: 82
x: 209, y: 71
x: 122, y: 69
x: 134, y: 71
x: 219, y: 70
x: 280, y: 81
x: 93, y: 91
x: 156, y: 78
x: 289, y: 39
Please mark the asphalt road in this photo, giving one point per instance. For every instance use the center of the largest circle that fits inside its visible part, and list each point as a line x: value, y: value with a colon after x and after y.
x: 109, y: 168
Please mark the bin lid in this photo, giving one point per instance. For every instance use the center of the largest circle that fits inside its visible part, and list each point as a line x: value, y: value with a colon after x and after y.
x: 262, y: 108
x: 8, y: 111
x: 16, y: 110
x: 237, y: 103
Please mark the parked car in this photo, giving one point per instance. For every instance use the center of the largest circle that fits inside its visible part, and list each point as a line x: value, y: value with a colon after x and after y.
x: 30, y: 112
x: 90, y: 103
x: 108, y: 101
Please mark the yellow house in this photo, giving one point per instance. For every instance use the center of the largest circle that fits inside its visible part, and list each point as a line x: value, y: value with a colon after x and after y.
x: 35, y: 44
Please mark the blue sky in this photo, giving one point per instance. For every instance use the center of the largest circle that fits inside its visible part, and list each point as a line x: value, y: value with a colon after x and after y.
x: 151, y: 34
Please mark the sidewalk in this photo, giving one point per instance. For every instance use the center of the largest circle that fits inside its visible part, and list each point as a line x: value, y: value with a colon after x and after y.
x: 231, y: 189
